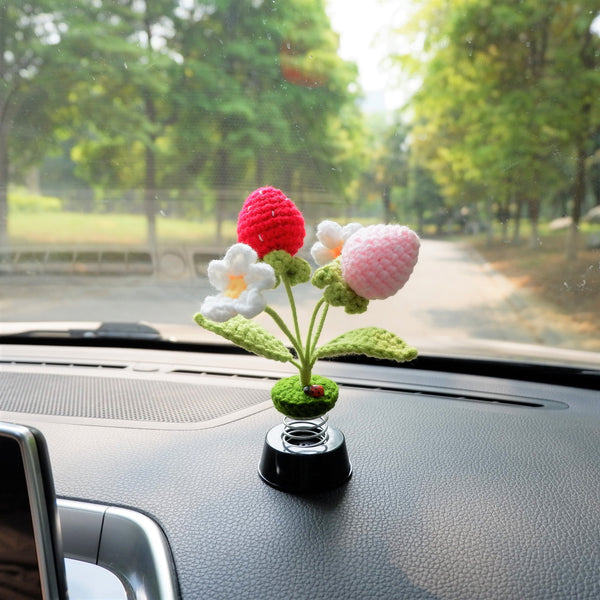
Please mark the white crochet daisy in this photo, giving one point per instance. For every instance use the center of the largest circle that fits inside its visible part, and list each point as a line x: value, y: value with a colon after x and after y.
x: 241, y: 280
x: 332, y: 237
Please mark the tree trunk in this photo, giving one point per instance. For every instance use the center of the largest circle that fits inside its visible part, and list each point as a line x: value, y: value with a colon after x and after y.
x: 489, y: 237
x: 222, y: 181
x: 150, y: 158
x: 578, y: 199
x: 594, y: 172
x: 516, y: 238
x: 150, y: 184
x: 260, y: 171
x: 534, y: 215
x: 386, y: 196
x: 589, y: 61
x: 3, y: 192
x: 4, y: 160
x: 505, y: 220
x: 420, y: 219
x: 150, y: 204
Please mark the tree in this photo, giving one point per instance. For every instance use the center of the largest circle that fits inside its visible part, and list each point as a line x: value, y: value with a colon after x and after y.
x: 423, y: 194
x: 389, y: 164
x: 149, y: 94
x: 33, y: 84
x: 263, y: 98
x: 124, y: 54
x: 577, y: 59
x: 507, y: 88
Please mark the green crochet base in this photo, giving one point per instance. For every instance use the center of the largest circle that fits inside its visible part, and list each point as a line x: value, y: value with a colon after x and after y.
x: 289, y: 398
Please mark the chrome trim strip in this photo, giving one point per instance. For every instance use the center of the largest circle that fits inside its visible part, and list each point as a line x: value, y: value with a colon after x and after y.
x: 124, y: 541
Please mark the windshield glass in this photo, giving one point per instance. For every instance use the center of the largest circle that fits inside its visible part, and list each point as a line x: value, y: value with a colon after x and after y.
x: 132, y: 132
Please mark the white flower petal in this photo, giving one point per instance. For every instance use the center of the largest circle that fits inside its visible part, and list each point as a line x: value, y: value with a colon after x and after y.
x: 350, y: 229
x: 218, y: 274
x: 218, y: 308
x: 260, y: 276
x: 239, y: 262
x: 329, y: 234
x: 250, y: 303
x: 321, y: 254
x: 332, y: 237
x: 240, y: 257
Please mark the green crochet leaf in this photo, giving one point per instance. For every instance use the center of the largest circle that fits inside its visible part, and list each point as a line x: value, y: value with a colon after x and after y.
x: 293, y: 268
x: 248, y: 335
x: 370, y: 341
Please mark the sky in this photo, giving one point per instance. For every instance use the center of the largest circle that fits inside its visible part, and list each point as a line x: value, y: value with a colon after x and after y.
x: 363, y: 27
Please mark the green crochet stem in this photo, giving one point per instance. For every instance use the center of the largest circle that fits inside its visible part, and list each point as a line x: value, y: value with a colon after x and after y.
x: 306, y: 352
x: 312, y: 346
x: 290, y: 336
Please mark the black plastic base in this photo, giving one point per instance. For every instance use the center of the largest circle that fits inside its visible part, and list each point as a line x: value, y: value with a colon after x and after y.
x: 304, y: 470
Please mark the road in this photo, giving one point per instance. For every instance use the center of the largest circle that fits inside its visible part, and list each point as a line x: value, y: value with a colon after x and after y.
x: 452, y: 296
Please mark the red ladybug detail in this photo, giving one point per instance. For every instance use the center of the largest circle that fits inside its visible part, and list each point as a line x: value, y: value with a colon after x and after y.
x: 314, y: 391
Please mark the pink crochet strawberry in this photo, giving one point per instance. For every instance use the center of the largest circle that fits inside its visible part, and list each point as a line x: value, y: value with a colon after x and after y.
x: 378, y: 260
x: 270, y: 221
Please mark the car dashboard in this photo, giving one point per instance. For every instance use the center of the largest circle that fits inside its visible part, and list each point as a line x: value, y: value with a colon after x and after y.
x: 467, y: 482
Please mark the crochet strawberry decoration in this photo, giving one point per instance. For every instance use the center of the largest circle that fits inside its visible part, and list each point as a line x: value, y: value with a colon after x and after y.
x: 378, y: 260
x: 361, y: 264
x: 270, y: 221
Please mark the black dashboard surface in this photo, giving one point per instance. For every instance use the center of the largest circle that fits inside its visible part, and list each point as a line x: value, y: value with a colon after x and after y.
x: 463, y: 486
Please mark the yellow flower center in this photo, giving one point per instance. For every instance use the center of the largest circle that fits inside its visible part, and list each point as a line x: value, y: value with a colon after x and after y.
x: 337, y: 250
x: 237, y: 285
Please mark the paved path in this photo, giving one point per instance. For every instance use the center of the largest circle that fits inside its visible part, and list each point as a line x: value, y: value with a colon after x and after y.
x: 453, y: 295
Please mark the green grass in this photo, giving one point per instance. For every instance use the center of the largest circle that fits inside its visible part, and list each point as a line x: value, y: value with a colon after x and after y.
x: 109, y: 229
x: 72, y: 228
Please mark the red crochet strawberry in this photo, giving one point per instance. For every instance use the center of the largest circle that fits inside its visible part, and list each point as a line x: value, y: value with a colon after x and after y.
x: 270, y: 221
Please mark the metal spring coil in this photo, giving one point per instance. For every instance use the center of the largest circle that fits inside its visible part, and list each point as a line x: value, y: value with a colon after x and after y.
x: 305, y: 434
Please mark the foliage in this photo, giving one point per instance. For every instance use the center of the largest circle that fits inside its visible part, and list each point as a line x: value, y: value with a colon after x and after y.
x: 506, y: 94
x: 226, y: 95
x: 30, y: 92
x: 23, y: 201
x: 387, y: 165
x: 169, y: 95
x: 240, y: 122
